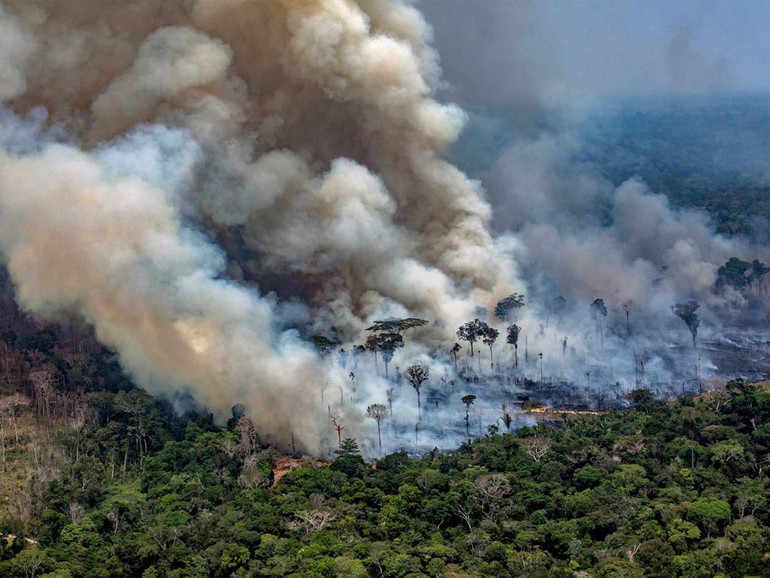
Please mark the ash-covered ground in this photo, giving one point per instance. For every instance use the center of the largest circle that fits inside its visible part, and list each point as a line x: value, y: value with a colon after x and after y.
x: 668, y: 370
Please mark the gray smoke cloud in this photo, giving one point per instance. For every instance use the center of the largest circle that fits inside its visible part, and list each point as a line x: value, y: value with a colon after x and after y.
x: 593, y: 239
x: 544, y: 76
x: 582, y: 237
x: 209, y: 182
x: 548, y: 55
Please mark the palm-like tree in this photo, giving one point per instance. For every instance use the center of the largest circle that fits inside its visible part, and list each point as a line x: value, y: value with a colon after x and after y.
x: 377, y: 411
x: 417, y: 375
x: 513, y: 338
x: 468, y: 402
x: 687, y: 313
x: 489, y: 336
x: 454, y: 351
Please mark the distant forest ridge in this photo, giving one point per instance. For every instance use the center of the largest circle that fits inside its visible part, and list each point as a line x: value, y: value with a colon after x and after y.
x: 700, y: 152
x: 704, y: 152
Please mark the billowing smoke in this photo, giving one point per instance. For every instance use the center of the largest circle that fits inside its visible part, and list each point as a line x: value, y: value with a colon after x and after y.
x: 591, y: 238
x: 210, y: 182
x: 551, y: 97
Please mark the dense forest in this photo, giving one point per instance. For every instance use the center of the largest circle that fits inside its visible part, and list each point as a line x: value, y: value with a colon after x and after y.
x: 119, y: 485
x: 704, y: 153
x: 700, y: 152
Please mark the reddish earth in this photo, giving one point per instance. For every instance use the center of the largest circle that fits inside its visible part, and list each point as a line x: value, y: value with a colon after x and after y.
x: 554, y: 414
x: 284, y: 465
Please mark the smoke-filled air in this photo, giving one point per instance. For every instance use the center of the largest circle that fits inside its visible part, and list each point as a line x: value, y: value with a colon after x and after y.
x: 234, y: 193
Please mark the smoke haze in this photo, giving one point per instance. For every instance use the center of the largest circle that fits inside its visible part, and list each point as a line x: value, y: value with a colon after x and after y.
x: 550, y: 77
x: 211, y: 182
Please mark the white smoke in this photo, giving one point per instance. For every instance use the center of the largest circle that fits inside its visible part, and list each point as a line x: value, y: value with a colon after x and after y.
x: 204, y: 182
x: 16, y: 47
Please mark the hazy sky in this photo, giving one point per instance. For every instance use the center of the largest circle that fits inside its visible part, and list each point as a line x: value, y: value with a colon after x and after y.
x: 554, y: 52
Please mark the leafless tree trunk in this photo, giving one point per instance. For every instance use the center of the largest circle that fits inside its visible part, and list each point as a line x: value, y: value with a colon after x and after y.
x: 492, y: 489
x: 536, y: 447
x: 339, y: 427
x: 248, y: 433
x: 465, y: 514
x: 114, y: 517
x: 389, y: 393
x: 42, y: 383
x: 323, y: 386
x: 2, y: 441
x: 12, y: 404
x: 313, y: 520
x: 31, y: 561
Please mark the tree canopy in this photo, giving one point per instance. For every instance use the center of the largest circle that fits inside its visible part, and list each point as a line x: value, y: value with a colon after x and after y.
x: 511, y: 303
x: 471, y: 332
x: 399, y: 326
x: 687, y: 313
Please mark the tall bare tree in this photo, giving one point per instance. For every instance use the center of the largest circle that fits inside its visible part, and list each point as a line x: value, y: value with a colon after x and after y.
x: 492, y: 488
x: 377, y: 411
x: 315, y: 519
x: 245, y: 426
x: 339, y: 427
x: 12, y: 404
x: 42, y: 385
x: 323, y: 386
x: 536, y: 447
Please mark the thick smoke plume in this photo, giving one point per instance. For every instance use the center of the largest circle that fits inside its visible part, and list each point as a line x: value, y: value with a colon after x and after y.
x: 207, y: 182
x: 548, y: 86
x: 211, y: 183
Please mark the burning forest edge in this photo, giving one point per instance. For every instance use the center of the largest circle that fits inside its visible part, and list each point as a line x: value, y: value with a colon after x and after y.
x: 260, y: 224
x: 154, y: 492
x: 59, y: 368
